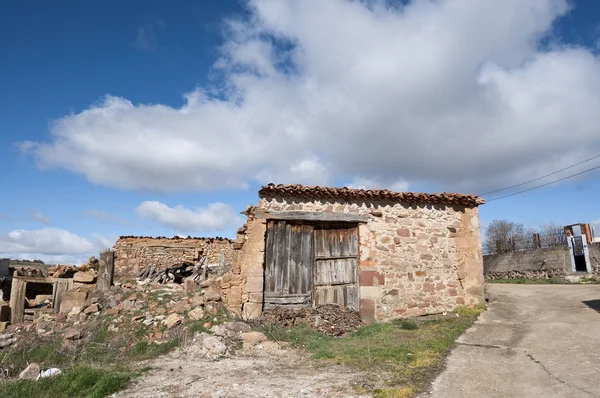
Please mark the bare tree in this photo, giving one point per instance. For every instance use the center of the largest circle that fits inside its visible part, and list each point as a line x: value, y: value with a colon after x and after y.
x: 552, y: 234
x: 499, y: 232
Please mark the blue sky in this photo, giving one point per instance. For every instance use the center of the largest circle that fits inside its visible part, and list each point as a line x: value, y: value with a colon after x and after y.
x: 142, y: 118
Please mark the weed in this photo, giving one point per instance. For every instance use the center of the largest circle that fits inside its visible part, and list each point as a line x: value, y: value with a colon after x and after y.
x: 399, y: 392
x: 523, y: 281
x: 80, y: 381
x: 412, y: 350
x: 408, y: 324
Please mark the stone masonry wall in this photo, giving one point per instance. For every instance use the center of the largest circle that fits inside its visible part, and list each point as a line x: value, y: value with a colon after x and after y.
x: 536, y: 264
x: 132, y: 254
x: 413, y: 260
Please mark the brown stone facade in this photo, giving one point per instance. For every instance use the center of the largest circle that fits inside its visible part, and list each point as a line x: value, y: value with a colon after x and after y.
x: 132, y: 254
x: 413, y: 259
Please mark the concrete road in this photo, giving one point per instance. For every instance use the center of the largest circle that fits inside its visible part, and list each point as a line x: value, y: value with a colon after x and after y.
x: 533, y: 341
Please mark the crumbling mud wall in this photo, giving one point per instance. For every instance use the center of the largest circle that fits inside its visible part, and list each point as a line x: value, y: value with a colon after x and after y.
x: 132, y: 254
x: 413, y: 259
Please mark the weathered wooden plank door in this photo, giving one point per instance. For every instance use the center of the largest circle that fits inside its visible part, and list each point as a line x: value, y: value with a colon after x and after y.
x: 336, y: 266
x: 288, y: 265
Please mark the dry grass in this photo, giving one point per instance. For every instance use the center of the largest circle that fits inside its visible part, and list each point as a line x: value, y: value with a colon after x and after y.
x: 412, y: 352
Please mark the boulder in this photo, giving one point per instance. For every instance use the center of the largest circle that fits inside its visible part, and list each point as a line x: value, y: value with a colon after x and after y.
x: 212, y: 295
x: 221, y: 330
x: 172, y: 320
x: 84, y: 277
x: 213, y: 346
x: 72, y: 334
x: 92, y: 309
x: 196, y: 314
x: 31, y: 372
x: 72, y: 299
x: 237, y: 327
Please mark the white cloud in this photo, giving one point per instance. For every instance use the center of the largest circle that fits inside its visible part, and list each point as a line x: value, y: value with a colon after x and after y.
x: 216, y: 216
x: 452, y: 93
x: 39, y: 217
x: 105, y: 216
x: 50, y: 245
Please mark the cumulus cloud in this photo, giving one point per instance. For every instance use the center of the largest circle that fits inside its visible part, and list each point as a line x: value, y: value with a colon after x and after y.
x: 457, y: 94
x: 51, y: 245
x: 106, y: 217
x: 39, y: 217
x: 215, y: 217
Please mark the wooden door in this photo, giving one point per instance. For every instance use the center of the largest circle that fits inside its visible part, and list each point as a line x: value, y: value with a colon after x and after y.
x: 336, y: 266
x: 288, y: 265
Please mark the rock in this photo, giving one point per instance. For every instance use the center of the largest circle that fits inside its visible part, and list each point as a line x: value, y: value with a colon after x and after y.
x: 207, y: 325
x: 237, y: 327
x: 172, y: 321
x: 220, y: 330
x: 148, y: 322
x: 72, y: 334
x: 72, y: 299
x: 214, y: 346
x: 212, y: 295
x: 189, y: 286
x: 253, y: 337
x: 112, y: 303
x: 74, y: 312
x: 113, y: 311
x: 196, y: 314
x: 60, y: 317
x: 84, y: 277
x: 50, y: 373
x: 6, y: 340
x: 92, y: 309
x: 198, y: 300
x: 31, y: 372
x: 160, y: 310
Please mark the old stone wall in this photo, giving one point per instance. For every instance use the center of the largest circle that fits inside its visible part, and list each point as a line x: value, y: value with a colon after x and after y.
x: 536, y: 264
x: 413, y: 260
x: 132, y: 254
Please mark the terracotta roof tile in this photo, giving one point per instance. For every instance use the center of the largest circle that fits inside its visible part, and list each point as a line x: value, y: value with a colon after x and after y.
x: 315, y: 192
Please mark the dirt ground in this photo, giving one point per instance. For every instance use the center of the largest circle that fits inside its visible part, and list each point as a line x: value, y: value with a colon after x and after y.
x: 269, y: 374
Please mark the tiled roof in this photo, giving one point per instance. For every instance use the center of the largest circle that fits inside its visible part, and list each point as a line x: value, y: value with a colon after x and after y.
x: 370, y: 194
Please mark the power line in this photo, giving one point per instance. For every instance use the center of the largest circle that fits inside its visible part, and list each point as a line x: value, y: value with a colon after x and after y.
x: 546, y: 184
x: 540, y: 178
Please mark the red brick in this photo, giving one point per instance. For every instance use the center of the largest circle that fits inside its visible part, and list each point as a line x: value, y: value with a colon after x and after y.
x: 426, y: 257
x: 393, y: 292
x: 367, y: 263
x: 371, y: 278
x: 367, y: 310
x: 428, y: 287
x: 460, y: 300
x: 421, y: 273
x: 440, y: 286
x: 452, y: 293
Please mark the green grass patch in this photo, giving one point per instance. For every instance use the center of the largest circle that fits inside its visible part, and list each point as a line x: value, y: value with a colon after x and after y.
x: 411, y: 350
x: 80, y: 381
x: 524, y: 281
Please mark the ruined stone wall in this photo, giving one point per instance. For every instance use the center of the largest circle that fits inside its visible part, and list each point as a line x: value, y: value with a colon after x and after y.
x: 132, y: 254
x: 536, y: 264
x: 413, y: 260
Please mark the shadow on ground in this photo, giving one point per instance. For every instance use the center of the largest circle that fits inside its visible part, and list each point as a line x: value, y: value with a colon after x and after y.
x: 593, y: 304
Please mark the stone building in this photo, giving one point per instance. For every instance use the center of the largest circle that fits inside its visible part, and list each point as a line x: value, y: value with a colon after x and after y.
x: 134, y: 253
x: 385, y: 254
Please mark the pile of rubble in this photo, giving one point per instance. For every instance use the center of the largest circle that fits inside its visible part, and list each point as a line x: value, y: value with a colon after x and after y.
x: 330, y: 319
